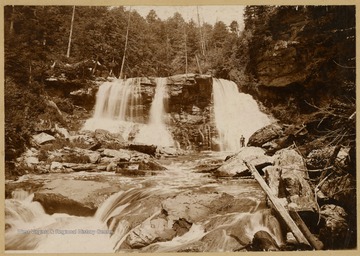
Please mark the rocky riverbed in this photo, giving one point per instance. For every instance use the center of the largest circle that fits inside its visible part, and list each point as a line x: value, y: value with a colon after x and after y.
x: 181, y: 194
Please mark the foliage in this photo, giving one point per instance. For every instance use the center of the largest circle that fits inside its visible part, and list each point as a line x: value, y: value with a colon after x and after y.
x: 36, y: 42
x: 22, y: 108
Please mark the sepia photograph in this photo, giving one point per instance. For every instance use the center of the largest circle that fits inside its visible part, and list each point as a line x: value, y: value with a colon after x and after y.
x: 205, y: 128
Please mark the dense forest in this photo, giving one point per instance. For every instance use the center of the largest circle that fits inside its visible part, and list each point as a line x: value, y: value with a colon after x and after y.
x: 304, y: 54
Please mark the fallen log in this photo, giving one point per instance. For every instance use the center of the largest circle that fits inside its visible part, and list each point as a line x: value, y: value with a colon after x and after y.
x: 300, y: 237
x: 315, y: 242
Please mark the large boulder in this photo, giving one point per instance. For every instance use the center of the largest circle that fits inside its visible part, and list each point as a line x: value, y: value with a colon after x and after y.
x: 288, y: 179
x: 263, y: 241
x: 43, y: 138
x: 139, y: 168
x: 57, y: 203
x: 235, y: 166
x: 265, y: 134
x: 108, y: 138
x: 189, y: 206
x: 286, y: 157
x: 150, y: 231
x: 147, y: 149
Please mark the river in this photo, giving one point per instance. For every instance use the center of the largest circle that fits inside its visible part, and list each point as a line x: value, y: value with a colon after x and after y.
x: 220, y: 214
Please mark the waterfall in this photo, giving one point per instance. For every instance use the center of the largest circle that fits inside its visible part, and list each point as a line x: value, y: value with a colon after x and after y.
x: 235, y: 114
x: 117, y: 108
x: 119, y: 100
x: 156, y: 132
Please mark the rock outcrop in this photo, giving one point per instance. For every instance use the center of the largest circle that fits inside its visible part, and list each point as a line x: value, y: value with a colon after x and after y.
x: 235, y: 166
x: 57, y: 203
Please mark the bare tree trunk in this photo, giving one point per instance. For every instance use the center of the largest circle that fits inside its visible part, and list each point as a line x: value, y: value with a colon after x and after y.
x: 71, y: 30
x: 11, y: 30
x: 167, y: 53
x: 202, y: 44
x: 198, y: 63
x: 186, y: 58
x: 125, y: 48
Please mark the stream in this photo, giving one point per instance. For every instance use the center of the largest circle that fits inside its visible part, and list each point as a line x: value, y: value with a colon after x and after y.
x: 137, y: 207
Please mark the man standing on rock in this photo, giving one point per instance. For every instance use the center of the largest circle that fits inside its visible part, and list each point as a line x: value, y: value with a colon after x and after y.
x: 242, y: 141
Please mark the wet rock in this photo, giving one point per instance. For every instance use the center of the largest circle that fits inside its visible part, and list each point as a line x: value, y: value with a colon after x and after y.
x: 235, y: 166
x: 132, y: 217
x: 118, y: 154
x: 43, y: 138
x: 168, y: 151
x: 57, y: 167
x: 334, y: 233
x: 150, y: 165
x: 81, y: 167
x: 265, y: 134
x: 181, y: 227
x: 219, y: 240
x: 57, y: 203
x: 147, y: 149
x: 189, y: 206
x: 209, y: 165
x: 94, y: 157
x: 150, y: 231
x: 140, y: 168
x: 263, y: 241
x: 106, y: 137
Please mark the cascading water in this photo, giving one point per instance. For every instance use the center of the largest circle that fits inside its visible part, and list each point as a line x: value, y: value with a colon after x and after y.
x: 235, y: 114
x: 147, y: 217
x: 118, y: 107
x: 156, y: 132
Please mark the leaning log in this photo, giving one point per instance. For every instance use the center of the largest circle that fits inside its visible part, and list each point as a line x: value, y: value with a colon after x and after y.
x: 300, y: 237
x: 314, y: 241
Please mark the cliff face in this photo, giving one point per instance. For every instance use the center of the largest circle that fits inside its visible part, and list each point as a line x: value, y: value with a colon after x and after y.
x: 304, y: 45
x: 302, y: 62
x: 188, y: 106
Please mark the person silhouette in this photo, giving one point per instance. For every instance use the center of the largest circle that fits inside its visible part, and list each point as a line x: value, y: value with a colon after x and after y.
x: 242, y: 141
